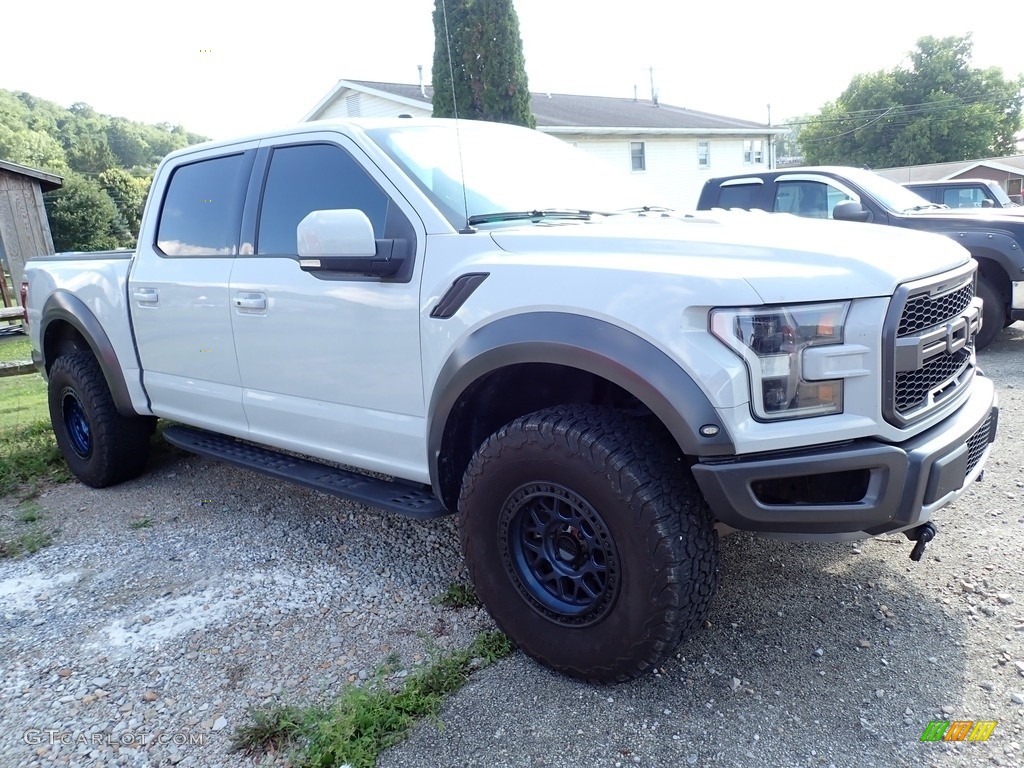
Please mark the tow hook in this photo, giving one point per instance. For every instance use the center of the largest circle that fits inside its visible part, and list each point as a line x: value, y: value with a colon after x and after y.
x: 922, y: 535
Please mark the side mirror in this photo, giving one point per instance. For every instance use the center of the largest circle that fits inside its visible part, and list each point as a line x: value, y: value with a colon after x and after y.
x: 986, y: 203
x: 342, y: 241
x: 345, y: 232
x: 850, y: 210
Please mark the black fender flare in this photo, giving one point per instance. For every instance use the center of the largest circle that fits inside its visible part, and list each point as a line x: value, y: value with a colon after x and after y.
x: 591, y: 345
x: 65, y: 306
x: 993, y: 245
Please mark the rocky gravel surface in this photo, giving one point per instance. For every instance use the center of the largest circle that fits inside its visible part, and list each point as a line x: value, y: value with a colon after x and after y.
x: 169, y: 606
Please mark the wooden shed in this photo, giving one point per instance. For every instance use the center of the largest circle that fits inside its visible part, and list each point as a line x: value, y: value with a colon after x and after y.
x: 24, y: 229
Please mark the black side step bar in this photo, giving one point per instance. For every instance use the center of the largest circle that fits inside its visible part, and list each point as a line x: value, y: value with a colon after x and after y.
x: 395, y: 496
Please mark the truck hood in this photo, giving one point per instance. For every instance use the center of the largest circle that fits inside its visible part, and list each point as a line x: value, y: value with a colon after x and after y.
x: 782, y: 257
x: 1008, y: 218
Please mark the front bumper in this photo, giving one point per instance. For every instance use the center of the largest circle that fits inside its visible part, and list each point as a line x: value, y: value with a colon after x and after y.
x: 1017, y: 301
x: 863, y: 488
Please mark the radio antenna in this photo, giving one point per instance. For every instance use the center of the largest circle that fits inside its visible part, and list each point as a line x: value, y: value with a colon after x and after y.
x: 455, y: 112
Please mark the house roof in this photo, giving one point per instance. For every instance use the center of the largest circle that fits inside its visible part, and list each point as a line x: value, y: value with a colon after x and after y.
x: 47, y: 181
x: 571, y: 113
x: 1013, y: 165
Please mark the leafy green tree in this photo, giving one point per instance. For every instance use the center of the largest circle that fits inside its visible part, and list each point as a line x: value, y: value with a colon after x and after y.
x: 90, y: 154
x: 128, y: 193
x: 939, y: 109
x: 107, y: 164
x: 486, y: 61
x: 787, y: 145
x: 84, y: 218
x: 32, y: 148
x: 128, y: 144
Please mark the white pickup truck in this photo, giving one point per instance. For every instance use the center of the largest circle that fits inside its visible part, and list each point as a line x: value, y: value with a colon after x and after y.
x: 493, y: 320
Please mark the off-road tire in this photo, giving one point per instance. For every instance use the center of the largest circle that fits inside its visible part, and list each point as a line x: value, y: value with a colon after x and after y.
x: 100, y: 446
x: 993, y: 314
x: 619, y: 495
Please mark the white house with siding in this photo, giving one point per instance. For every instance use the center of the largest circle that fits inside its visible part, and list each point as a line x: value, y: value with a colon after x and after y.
x: 675, y: 149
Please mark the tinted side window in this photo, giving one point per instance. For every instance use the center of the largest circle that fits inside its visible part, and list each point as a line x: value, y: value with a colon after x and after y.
x: 200, y: 212
x: 738, y: 196
x: 963, y: 197
x: 928, y: 193
x: 806, y: 198
x: 314, y: 177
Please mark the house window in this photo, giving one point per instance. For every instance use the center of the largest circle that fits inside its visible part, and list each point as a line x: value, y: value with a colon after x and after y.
x: 753, y: 151
x: 636, y: 155
x: 703, y: 154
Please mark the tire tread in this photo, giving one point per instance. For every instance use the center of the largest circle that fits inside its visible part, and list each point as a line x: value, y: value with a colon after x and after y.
x: 120, y: 443
x: 645, y: 469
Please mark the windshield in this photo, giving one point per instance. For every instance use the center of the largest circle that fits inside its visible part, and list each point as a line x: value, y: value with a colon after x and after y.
x: 1001, y: 196
x: 891, y: 195
x: 506, y: 170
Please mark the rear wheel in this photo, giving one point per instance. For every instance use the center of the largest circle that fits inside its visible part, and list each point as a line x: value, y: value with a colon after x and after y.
x: 993, y: 314
x: 101, y: 446
x: 588, y: 541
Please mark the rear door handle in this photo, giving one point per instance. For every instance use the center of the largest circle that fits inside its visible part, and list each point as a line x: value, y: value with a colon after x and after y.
x: 146, y: 295
x: 251, y: 302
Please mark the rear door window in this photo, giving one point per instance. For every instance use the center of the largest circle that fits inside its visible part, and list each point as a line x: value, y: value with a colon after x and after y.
x: 201, y: 210
x: 739, y: 196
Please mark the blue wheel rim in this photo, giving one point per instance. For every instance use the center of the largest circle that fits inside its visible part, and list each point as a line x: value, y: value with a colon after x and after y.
x: 559, y: 554
x: 76, y: 424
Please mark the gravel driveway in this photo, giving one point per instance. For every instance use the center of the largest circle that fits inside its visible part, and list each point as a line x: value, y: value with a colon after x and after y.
x: 168, y: 606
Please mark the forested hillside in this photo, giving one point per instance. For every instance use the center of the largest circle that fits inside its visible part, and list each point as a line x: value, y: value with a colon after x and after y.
x: 107, y: 164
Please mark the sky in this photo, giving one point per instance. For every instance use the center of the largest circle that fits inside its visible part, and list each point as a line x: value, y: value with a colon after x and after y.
x: 222, y: 68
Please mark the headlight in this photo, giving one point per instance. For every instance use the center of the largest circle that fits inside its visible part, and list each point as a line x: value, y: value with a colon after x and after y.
x: 771, y: 341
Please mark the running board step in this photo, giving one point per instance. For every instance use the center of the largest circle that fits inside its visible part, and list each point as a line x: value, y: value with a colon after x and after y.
x: 394, y: 496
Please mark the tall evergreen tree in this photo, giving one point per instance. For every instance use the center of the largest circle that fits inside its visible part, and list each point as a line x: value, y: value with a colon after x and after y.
x: 486, y: 60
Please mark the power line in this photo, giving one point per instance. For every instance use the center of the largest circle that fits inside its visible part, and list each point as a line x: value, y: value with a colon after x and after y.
x: 904, y: 110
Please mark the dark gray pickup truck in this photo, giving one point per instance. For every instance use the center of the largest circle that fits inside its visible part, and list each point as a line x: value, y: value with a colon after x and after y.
x: 995, y: 239
x: 965, y: 193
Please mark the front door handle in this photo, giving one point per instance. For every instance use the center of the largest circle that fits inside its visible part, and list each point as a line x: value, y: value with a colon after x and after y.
x: 146, y: 295
x: 252, y: 302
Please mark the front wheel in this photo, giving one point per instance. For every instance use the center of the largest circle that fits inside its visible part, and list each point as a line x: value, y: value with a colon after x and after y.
x: 101, y: 446
x: 993, y: 314
x: 588, y: 541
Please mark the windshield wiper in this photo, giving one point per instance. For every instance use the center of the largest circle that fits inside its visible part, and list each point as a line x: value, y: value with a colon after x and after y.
x: 647, y: 209
x: 924, y: 207
x: 546, y: 213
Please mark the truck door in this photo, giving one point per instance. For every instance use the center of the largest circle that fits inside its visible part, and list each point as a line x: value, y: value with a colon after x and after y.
x: 329, y: 361
x: 178, y: 291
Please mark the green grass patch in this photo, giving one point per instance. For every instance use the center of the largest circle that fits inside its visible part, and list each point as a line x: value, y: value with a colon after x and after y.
x: 26, y: 541
x: 29, y: 512
x: 457, y: 595
x: 28, y: 455
x: 136, y: 525
x: 22, y: 401
x: 16, y: 349
x: 28, y: 450
x: 364, y: 721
